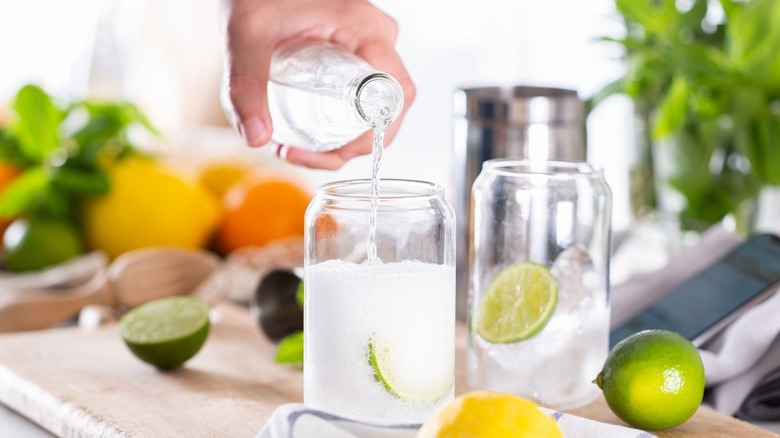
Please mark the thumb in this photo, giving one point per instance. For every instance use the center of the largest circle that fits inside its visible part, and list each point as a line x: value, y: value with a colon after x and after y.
x: 245, y: 86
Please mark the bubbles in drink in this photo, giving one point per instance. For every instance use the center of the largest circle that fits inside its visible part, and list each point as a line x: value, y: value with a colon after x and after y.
x: 405, y: 306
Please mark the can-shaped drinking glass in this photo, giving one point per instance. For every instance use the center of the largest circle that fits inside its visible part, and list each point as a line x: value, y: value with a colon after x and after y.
x: 539, y: 264
x: 379, y: 308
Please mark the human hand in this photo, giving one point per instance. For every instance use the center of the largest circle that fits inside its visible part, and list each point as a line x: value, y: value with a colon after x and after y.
x: 254, y: 28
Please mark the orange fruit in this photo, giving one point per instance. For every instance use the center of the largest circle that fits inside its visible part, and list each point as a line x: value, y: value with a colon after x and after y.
x: 326, y: 225
x: 258, y: 211
x: 8, y: 173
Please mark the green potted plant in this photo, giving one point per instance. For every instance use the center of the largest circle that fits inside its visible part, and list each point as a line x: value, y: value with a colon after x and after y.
x: 705, y: 80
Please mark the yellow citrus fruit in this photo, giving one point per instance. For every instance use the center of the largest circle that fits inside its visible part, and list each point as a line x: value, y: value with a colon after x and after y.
x: 219, y: 177
x: 488, y: 414
x: 258, y: 211
x: 149, y: 205
x: 653, y: 379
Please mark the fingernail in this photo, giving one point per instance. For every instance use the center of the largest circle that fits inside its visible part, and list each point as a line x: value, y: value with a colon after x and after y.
x: 252, y: 131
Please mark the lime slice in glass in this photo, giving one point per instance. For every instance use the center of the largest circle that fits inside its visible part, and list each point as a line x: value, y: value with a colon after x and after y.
x: 517, y: 304
x: 422, y: 384
x: 166, y: 332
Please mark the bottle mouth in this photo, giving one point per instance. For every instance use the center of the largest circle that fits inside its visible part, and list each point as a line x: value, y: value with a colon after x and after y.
x: 379, y: 99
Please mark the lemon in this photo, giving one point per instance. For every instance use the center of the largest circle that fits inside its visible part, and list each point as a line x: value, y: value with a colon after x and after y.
x: 149, y: 205
x: 487, y: 414
x: 166, y: 332
x: 653, y: 379
x: 219, y: 177
x: 517, y: 304
x: 410, y: 385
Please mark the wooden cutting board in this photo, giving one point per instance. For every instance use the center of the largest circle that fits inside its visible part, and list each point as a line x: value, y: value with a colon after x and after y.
x: 79, y: 383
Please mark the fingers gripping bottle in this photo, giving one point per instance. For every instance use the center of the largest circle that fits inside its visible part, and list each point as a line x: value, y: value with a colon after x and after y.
x: 321, y: 96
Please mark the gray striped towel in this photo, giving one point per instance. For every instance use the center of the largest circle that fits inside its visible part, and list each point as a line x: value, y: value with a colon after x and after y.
x: 294, y: 420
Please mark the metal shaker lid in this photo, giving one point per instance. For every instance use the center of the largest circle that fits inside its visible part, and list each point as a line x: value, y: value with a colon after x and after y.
x: 520, y: 105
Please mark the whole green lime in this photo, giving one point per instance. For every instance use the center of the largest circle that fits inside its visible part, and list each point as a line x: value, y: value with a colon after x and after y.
x: 166, y: 332
x: 653, y: 380
x: 37, y: 243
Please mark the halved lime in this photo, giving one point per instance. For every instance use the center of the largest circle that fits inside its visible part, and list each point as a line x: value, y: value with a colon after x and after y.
x: 413, y: 384
x: 166, y: 332
x: 517, y: 304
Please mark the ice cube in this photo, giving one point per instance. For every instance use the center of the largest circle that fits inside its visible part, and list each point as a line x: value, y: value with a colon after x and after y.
x: 577, y: 280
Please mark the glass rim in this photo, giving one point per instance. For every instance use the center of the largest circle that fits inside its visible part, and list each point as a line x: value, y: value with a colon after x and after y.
x: 521, y: 167
x: 420, y: 190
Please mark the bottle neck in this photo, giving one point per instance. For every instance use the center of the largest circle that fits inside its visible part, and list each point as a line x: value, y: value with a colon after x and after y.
x: 378, y: 98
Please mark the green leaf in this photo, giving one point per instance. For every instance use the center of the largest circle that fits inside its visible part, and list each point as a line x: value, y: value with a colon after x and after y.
x: 24, y: 192
x: 134, y: 115
x: 612, y: 88
x: 773, y: 142
x: 10, y: 151
x: 672, y: 111
x: 290, y: 349
x: 299, y: 294
x: 123, y: 114
x: 106, y: 131
x: 636, y: 11
x: 730, y: 8
x: 701, y: 64
x: 767, y: 150
x: 80, y: 181
x: 754, y: 42
x: 37, y: 129
x: 692, y: 18
x: 655, y: 17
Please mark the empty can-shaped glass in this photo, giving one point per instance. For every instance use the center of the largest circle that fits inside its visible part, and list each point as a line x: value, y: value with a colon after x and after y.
x: 379, y: 326
x: 538, y: 298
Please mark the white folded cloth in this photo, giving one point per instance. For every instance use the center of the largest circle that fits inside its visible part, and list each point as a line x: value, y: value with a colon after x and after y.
x: 295, y: 420
x: 748, y: 350
x: 743, y: 343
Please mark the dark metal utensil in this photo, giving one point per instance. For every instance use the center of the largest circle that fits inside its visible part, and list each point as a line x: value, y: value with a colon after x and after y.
x: 275, y: 306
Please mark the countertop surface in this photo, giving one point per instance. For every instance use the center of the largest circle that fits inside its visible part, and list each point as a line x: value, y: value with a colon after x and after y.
x: 86, y: 383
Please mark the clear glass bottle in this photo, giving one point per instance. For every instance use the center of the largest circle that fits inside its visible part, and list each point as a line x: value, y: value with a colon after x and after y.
x: 379, y: 334
x: 322, y: 97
